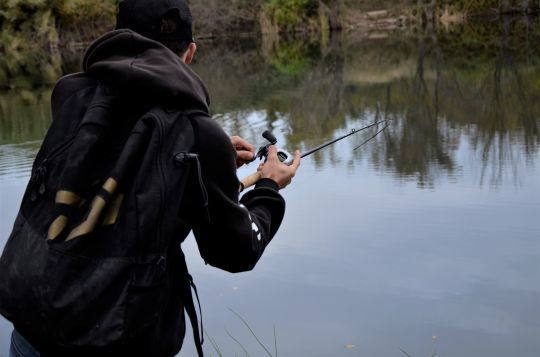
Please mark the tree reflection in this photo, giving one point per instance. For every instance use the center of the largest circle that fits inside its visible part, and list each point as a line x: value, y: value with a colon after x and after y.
x: 24, y: 115
x: 504, y: 107
x: 418, y: 147
x: 441, y: 88
x: 475, y: 86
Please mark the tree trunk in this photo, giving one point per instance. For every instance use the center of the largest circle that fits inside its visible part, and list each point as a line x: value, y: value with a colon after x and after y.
x: 506, y: 5
x: 530, y: 6
x: 334, y: 13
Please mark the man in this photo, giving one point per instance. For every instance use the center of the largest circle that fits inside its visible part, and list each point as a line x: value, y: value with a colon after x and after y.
x: 143, y: 64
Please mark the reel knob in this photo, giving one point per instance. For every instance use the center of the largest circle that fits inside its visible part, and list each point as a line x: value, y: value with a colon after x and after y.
x: 269, y: 136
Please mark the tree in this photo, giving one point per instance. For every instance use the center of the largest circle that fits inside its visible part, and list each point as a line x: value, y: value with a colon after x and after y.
x: 333, y: 9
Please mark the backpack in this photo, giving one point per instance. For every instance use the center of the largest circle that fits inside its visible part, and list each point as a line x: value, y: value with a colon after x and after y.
x: 89, y: 261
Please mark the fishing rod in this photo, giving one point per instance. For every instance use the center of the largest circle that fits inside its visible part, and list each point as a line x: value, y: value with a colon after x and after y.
x: 287, y: 158
x: 373, y: 136
x: 354, y: 131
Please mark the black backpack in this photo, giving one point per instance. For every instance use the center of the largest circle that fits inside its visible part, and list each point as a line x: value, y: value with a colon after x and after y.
x: 92, y: 259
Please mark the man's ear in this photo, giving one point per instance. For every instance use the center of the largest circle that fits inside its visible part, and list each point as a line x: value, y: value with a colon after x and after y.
x: 190, y: 53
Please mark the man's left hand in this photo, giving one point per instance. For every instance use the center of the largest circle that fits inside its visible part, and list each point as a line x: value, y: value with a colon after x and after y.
x: 245, y: 152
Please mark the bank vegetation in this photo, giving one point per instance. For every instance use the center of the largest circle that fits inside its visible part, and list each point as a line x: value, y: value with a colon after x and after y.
x: 32, y: 31
x: 61, y: 22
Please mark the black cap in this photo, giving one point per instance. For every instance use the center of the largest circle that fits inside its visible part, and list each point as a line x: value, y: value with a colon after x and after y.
x: 146, y: 18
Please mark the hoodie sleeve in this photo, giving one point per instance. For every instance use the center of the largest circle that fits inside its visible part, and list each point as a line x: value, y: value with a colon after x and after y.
x: 232, y: 234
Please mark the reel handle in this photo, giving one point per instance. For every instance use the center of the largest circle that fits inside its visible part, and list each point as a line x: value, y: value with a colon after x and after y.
x: 267, y: 134
x: 283, y: 156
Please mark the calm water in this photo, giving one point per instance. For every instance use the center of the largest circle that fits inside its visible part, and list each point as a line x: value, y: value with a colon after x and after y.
x: 427, y: 239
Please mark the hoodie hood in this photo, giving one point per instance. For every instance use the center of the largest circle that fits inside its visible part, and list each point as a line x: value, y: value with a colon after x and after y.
x: 132, y: 63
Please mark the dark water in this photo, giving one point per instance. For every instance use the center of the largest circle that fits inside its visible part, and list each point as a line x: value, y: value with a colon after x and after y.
x: 427, y: 239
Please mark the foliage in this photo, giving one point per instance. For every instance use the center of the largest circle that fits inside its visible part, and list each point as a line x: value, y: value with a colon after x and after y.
x: 218, y: 17
x: 78, y: 11
x: 470, y: 7
x: 482, y: 7
x: 38, y: 15
x: 289, y: 15
x: 25, y: 23
x: 292, y: 56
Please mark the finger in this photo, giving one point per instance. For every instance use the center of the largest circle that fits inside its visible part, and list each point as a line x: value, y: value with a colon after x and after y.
x: 272, y: 154
x: 251, y: 148
x: 243, y: 144
x: 244, y: 156
x: 234, y: 140
x: 296, y: 163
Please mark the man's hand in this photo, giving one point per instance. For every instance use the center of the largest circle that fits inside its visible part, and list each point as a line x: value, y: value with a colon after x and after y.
x: 245, y: 152
x: 278, y: 171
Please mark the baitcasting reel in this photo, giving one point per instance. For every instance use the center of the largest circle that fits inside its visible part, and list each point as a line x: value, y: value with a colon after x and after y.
x: 283, y: 155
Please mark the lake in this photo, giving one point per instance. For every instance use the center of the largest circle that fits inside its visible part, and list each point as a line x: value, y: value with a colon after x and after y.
x: 424, y: 241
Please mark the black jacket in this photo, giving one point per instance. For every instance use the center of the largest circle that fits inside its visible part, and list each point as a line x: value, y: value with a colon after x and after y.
x: 231, y: 233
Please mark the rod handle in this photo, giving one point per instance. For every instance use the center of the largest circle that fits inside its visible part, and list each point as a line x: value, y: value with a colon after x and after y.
x: 249, y: 181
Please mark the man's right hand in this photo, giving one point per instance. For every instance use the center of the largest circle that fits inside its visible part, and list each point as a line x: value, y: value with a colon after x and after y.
x: 276, y: 170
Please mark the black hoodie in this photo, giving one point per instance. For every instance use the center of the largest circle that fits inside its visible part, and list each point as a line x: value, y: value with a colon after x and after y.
x: 140, y: 74
x: 145, y: 68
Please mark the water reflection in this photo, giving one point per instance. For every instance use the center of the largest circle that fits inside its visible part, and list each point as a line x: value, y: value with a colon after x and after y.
x: 24, y: 115
x: 439, y: 88
x: 442, y: 90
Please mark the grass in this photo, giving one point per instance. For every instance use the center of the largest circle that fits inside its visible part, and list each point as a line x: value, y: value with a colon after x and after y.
x: 215, y: 346
x: 237, y: 342
x: 217, y: 349
x: 254, y: 335
x: 434, y: 354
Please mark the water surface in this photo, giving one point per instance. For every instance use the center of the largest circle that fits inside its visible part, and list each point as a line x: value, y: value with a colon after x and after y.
x: 426, y: 239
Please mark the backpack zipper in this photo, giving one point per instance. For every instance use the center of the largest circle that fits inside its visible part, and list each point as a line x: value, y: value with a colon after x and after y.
x: 162, y: 181
x: 39, y: 176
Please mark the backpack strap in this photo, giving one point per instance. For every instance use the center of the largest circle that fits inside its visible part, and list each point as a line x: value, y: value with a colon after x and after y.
x: 189, y: 306
x: 190, y: 114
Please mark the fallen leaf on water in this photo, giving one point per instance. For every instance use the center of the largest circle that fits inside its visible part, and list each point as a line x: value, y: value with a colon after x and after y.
x: 350, y: 346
